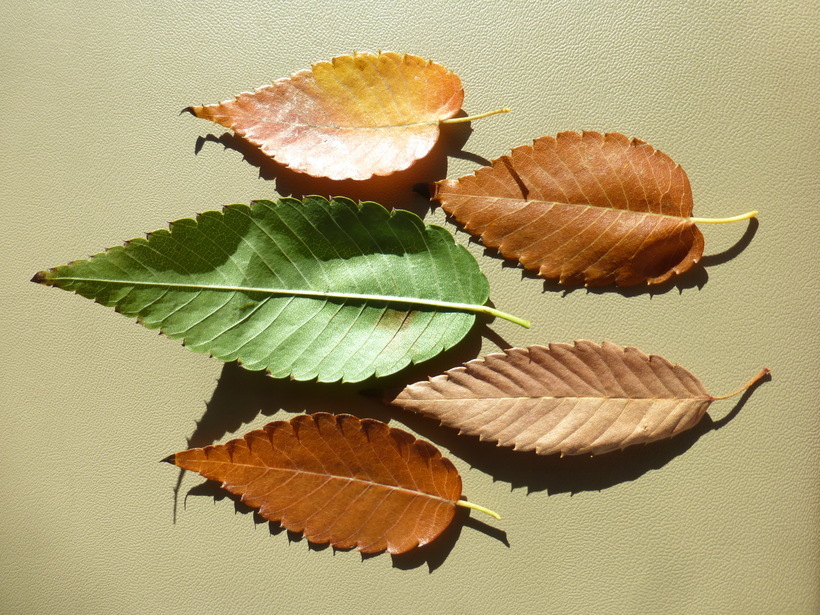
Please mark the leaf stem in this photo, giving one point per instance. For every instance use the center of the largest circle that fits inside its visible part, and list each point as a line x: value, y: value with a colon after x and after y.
x: 466, y: 504
x: 499, y: 314
x: 746, y: 216
x: 762, y: 374
x: 470, y: 118
x: 52, y: 280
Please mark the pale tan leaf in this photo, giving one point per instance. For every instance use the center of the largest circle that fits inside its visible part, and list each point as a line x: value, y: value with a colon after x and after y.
x: 569, y: 399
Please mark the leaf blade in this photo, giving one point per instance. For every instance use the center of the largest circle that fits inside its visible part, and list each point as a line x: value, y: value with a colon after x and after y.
x: 355, y: 483
x: 210, y: 282
x: 350, y: 118
x: 567, y: 399
x: 583, y: 209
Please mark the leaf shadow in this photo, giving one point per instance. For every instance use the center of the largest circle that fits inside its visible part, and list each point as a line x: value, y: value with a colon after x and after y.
x: 242, y: 395
x: 712, y: 260
x: 696, y: 277
x: 571, y: 474
x: 433, y: 554
x: 393, y: 191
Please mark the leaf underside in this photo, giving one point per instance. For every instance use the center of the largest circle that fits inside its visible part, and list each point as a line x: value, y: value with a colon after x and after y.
x: 568, y: 399
x: 582, y: 208
x: 338, y: 479
x: 351, y: 118
x: 227, y: 283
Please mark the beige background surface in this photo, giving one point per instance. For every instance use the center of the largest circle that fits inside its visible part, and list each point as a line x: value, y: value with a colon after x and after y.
x: 95, y: 152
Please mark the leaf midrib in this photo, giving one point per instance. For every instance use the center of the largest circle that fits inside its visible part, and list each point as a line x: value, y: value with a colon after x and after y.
x: 585, y: 205
x: 352, y: 479
x: 445, y: 400
x: 377, y: 126
x: 281, y: 291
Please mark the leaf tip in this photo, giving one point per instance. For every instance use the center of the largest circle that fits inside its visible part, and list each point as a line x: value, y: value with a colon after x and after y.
x: 169, y: 459
x: 39, y: 277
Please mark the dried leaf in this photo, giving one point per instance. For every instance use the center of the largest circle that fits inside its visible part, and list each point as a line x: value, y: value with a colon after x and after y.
x: 339, y: 480
x: 583, y: 209
x: 303, y: 289
x: 350, y: 118
x: 568, y: 399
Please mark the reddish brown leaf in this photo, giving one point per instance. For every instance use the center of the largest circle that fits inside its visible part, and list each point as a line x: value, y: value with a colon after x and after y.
x: 582, y: 209
x: 353, y: 117
x: 567, y: 399
x: 338, y: 479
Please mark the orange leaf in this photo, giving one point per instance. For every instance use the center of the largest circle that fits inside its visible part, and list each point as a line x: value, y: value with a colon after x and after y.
x: 583, y: 209
x: 350, y: 482
x: 350, y: 118
x: 568, y: 399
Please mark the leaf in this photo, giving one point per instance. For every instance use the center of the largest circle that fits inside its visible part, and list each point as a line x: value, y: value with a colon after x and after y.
x: 583, y: 209
x: 339, y: 480
x: 350, y: 118
x: 313, y: 289
x: 568, y: 399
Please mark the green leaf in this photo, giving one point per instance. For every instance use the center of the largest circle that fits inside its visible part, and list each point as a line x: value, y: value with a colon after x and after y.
x: 304, y: 289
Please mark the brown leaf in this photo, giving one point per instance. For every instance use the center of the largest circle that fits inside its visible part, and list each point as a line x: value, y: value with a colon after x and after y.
x: 583, y: 209
x: 340, y: 480
x: 351, y: 118
x: 567, y: 399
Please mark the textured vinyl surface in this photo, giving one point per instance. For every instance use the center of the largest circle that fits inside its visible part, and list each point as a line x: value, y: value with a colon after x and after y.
x: 722, y: 519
